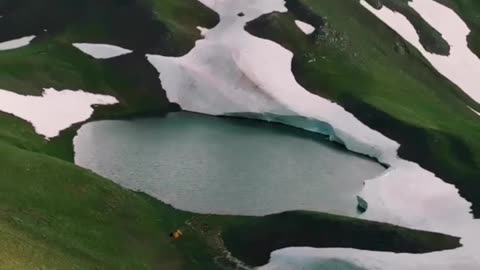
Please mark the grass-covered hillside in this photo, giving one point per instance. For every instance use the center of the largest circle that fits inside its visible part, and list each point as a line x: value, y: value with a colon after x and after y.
x: 385, y: 82
x: 55, y: 215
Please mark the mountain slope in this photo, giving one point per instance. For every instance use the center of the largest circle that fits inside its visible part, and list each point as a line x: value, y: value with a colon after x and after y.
x: 54, y: 215
x: 369, y: 70
x: 58, y: 216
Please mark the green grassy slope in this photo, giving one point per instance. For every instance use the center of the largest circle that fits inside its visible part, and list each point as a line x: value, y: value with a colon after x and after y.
x: 368, y: 69
x: 84, y: 222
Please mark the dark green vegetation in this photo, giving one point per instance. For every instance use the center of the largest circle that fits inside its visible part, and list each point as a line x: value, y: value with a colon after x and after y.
x: 166, y: 27
x: 54, y: 215
x: 469, y: 10
x: 430, y: 38
x: 254, y: 239
x: 372, y: 72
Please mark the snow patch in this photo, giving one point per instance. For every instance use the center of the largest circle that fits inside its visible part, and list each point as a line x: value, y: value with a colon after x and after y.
x: 474, y: 110
x: 55, y: 110
x: 203, y: 30
x: 462, y: 66
x: 101, y: 51
x: 231, y: 72
x: 16, y: 43
x: 351, y: 259
x: 305, y: 27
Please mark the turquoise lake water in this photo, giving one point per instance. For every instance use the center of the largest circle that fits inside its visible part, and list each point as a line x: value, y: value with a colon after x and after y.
x: 225, y: 166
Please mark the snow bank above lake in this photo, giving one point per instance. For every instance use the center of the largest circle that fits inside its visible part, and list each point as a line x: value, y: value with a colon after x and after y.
x: 101, y: 51
x: 462, y: 66
x: 55, y: 110
x: 305, y: 27
x: 231, y: 72
x: 16, y: 43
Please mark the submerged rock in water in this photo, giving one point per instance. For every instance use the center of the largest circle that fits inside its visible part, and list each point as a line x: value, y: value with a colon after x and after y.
x: 362, y: 205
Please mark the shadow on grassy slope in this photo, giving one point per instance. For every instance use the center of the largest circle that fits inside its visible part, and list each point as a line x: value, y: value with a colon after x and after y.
x: 166, y: 27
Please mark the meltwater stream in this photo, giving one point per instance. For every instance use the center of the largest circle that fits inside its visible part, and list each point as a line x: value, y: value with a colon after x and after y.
x: 225, y: 166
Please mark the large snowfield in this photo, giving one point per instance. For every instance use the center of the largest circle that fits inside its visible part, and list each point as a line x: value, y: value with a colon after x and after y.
x: 231, y: 71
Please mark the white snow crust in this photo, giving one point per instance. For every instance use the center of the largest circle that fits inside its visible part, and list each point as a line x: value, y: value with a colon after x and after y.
x: 231, y: 71
x: 474, y: 111
x: 203, y: 30
x: 305, y: 27
x: 101, y: 51
x: 16, y: 43
x: 55, y: 110
x: 462, y: 66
